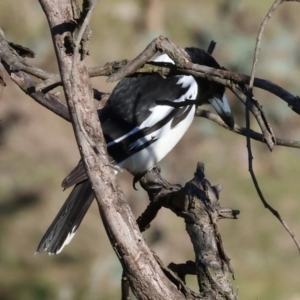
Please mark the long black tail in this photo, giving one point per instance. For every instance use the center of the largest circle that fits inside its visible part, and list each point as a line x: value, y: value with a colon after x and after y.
x: 67, y: 221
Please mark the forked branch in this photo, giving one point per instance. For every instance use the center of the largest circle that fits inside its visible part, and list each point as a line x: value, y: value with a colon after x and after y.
x: 198, y: 204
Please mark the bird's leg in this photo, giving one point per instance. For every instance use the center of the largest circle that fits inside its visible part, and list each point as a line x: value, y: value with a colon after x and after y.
x: 136, y: 178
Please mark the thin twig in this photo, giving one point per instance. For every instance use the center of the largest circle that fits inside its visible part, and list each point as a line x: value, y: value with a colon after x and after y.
x: 249, y: 98
x: 243, y: 131
x: 92, y: 6
x: 74, y: 69
x: 259, y: 38
x: 241, y: 92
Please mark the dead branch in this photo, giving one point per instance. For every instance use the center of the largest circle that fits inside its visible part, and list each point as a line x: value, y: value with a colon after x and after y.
x: 182, y: 67
x: 197, y: 202
x: 13, y: 64
x: 256, y: 109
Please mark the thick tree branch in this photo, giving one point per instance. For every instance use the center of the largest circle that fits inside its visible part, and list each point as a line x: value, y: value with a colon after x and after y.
x: 197, y: 202
x: 144, y: 273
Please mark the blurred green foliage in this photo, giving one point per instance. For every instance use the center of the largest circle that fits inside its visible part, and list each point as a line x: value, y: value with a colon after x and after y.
x: 37, y: 150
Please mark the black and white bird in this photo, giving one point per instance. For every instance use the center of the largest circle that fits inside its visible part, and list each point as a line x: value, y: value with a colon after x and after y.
x: 139, y: 132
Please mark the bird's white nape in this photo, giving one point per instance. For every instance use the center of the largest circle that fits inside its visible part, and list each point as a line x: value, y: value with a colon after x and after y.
x: 164, y: 58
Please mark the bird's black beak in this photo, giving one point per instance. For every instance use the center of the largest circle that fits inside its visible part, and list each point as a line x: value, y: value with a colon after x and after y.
x: 223, y: 109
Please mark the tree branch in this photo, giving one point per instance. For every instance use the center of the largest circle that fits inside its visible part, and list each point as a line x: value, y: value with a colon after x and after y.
x: 222, y: 76
x: 144, y: 273
x: 244, y: 131
x: 248, y: 140
x: 197, y: 202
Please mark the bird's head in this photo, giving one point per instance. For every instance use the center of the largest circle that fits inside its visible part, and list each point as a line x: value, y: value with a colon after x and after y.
x: 210, y: 92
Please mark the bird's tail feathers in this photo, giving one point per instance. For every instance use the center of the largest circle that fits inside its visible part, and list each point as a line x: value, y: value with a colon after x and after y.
x: 67, y: 221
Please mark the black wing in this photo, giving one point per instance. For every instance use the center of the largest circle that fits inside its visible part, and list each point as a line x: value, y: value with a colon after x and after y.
x: 132, y: 111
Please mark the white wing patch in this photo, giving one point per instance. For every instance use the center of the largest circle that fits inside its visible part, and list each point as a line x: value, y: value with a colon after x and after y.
x: 134, y: 130
x: 158, y: 112
x: 161, y: 111
x: 187, y: 81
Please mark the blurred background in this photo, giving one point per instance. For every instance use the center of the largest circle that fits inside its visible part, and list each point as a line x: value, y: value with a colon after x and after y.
x: 37, y: 150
